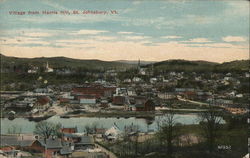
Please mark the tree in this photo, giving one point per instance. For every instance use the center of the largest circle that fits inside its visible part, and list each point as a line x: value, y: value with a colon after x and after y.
x: 135, y: 128
x: 87, y: 129
x: 130, y: 143
x: 136, y: 144
x: 168, y: 131
x: 47, y: 129
x: 209, y: 122
x: 94, y: 127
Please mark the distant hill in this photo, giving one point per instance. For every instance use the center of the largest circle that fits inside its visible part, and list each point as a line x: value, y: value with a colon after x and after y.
x: 61, y: 62
x: 183, y: 65
x: 168, y: 65
x: 135, y: 62
x: 236, y: 65
x: 203, y: 66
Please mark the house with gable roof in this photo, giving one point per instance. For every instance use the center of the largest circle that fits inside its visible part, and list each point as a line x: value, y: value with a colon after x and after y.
x: 113, y: 133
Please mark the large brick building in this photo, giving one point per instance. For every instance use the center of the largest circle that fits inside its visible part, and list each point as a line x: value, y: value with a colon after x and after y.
x: 96, y: 91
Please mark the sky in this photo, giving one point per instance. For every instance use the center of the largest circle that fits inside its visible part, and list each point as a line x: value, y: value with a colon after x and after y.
x: 157, y: 30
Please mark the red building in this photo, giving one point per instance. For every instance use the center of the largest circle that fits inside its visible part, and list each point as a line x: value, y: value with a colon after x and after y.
x: 64, y: 100
x: 118, y: 100
x: 69, y: 130
x: 147, y: 105
x: 50, y: 147
x: 43, y: 100
x: 36, y: 146
x: 97, y: 91
x: 140, y: 103
x: 42, y: 103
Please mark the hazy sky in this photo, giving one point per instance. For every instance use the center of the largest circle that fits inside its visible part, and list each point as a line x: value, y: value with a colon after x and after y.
x: 215, y: 30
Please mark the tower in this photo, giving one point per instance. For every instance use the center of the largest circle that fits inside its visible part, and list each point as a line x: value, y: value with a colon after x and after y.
x: 152, y: 69
x: 47, y: 66
x: 48, y: 69
x: 139, y: 65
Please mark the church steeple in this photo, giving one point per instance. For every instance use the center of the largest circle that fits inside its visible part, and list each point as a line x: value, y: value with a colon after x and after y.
x: 48, y: 69
x: 139, y: 64
x: 47, y: 66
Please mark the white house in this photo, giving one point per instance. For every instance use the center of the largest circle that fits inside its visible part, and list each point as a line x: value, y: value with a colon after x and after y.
x: 239, y: 95
x: 142, y: 71
x: 153, y: 80
x: 66, y: 95
x: 121, y: 92
x: 247, y: 75
x: 165, y: 80
x: 127, y: 80
x: 131, y: 92
x: 33, y: 70
x: 246, y: 156
x: 113, y: 133
x: 137, y: 79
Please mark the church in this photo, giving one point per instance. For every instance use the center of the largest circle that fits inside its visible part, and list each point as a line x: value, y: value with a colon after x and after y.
x: 48, y: 69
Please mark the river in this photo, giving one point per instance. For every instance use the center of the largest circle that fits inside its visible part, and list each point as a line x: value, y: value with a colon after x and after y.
x: 26, y: 126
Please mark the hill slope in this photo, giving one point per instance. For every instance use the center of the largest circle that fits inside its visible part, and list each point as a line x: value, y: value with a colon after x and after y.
x: 237, y: 65
x: 198, y: 66
x: 168, y: 65
x: 135, y: 62
x: 183, y: 65
x: 61, y: 62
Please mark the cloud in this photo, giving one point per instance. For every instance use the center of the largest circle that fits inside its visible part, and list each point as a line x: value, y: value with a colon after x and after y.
x: 90, y: 42
x: 105, y: 38
x: 171, y: 37
x: 198, y: 40
x: 136, y: 37
x: 38, y: 34
x: 23, y: 41
x: 24, y: 32
x: 219, y: 45
x: 125, y: 32
x: 234, y: 39
x: 130, y: 50
x: 77, y: 41
x: 71, y: 44
x: 88, y: 32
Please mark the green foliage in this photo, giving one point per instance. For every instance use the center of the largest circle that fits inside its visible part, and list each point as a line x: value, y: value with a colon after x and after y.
x: 60, y: 63
x: 234, y: 66
x: 183, y: 65
x: 200, y: 66
x: 210, y: 124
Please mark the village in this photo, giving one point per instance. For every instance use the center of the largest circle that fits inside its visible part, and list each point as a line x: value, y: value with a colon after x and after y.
x: 169, y: 91
x: 143, y: 95
x: 70, y: 143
